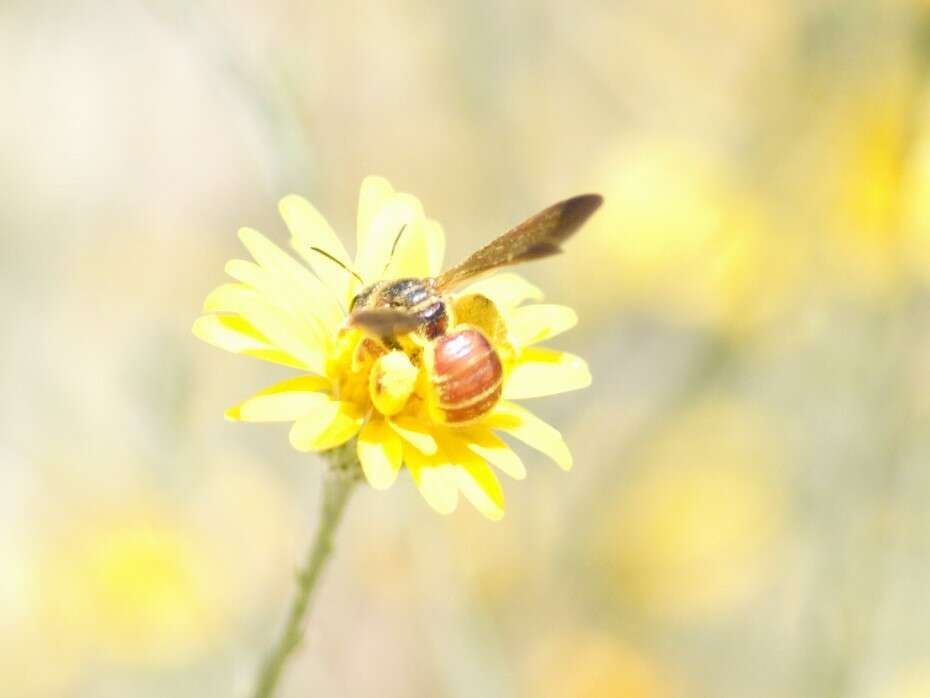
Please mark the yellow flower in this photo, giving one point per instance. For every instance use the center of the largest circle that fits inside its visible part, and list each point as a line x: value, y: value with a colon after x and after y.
x: 132, y: 587
x: 868, y: 165
x: 682, y: 243
x: 694, y: 530
x: 281, y: 311
x: 141, y: 583
x: 863, y: 158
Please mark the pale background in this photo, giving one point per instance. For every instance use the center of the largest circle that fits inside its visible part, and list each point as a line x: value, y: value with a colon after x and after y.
x: 748, y: 511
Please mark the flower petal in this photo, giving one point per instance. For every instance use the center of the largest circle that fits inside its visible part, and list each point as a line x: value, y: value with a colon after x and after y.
x: 507, y: 290
x: 328, y: 425
x: 481, y: 487
x: 297, y: 299
x: 411, y: 256
x: 416, y: 433
x: 286, y: 401
x: 435, y: 477
x: 539, y: 372
x: 283, y: 330
x: 475, y: 479
x: 239, y: 336
x: 372, y: 195
x: 225, y: 297
x: 309, y: 229
x: 436, y: 244
x: 287, y: 281
x: 380, y: 451
x: 540, y: 321
x: 495, y: 450
x: 235, y: 298
x: 398, y: 211
x: 522, y: 424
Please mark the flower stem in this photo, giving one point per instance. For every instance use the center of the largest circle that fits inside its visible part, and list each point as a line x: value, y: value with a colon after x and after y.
x: 339, y: 480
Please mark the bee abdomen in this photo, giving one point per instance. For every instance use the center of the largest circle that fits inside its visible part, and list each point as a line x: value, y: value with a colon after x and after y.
x: 467, y: 375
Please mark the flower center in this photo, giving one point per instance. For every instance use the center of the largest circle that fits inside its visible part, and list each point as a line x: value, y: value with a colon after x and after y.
x: 367, y: 374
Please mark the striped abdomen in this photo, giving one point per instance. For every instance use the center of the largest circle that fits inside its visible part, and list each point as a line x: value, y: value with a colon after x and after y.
x: 467, y: 376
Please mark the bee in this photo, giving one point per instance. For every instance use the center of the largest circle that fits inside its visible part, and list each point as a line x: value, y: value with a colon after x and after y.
x: 465, y: 370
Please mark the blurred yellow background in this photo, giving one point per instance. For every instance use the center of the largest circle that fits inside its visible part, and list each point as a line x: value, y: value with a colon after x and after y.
x: 747, y: 515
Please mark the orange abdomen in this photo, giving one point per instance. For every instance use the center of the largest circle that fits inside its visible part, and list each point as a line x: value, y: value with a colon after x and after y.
x: 467, y: 375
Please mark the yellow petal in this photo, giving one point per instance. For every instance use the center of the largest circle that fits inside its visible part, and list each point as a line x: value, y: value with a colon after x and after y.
x: 540, y: 321
x: 436, y: 244
x: 296, y: 298
x: 398, y: 211
x: 539, y: 372
x: 328, y: 425
x: 416, y: 433
x: 282, y: 329
x: 239, y: 336
x: 475, y: 479
x: 531, y: 430
x: 494, y: 450
x: 411, y: 255
x: 506, y: 290
x: 310, y: 229
x: 237, y: 298
x: 374, y: 193
x: 435, y: 477
x: 290, y: 283
x: 380, y: 451
x: 286, y: 401
x: 286, y: 333
x: 225, y: 297
x: 481, y: 487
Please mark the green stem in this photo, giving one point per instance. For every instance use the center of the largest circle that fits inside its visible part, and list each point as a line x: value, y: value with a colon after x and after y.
x: 339, y: 480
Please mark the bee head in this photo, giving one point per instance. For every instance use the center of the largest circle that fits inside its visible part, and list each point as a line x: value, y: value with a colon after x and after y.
x: 363, y: 299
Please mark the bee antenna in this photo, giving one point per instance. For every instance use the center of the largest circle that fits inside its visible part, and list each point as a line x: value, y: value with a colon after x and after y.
x: 394, y: 248
x: 336, y: 261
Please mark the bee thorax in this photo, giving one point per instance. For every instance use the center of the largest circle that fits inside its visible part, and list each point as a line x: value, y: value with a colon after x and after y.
x: 415, y: 296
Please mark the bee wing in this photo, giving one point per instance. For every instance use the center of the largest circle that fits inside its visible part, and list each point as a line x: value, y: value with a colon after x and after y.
x: 535, y: 238
x: 384, y: 322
